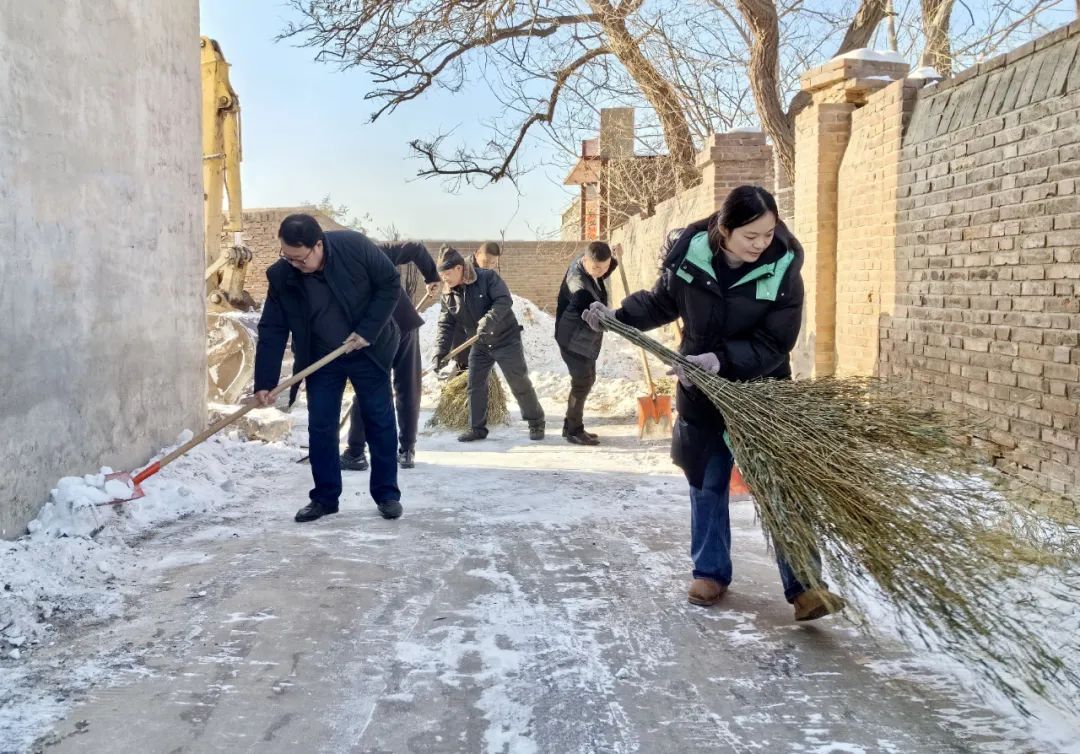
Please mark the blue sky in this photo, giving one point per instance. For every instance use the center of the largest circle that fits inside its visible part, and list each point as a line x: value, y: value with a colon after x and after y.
x: 306, y: 134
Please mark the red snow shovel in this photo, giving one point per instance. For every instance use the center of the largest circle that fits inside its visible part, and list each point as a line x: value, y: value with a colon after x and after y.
x: 200, y: 438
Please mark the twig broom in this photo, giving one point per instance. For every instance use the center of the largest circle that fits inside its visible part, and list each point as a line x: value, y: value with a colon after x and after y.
x: 854, y: 469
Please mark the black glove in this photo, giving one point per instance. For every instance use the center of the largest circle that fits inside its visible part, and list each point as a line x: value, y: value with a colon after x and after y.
x: 441, y: 360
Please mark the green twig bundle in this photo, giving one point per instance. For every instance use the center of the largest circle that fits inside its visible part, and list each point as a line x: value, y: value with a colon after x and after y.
x: 858, y: 471
x: 452, y: 410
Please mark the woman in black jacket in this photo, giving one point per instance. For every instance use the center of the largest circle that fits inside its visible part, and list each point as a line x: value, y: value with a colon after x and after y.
x: 734, y: 279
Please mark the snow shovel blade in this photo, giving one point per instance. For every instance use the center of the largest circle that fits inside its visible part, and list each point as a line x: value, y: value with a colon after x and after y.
x: 125, y: 477
x: 653, y: 411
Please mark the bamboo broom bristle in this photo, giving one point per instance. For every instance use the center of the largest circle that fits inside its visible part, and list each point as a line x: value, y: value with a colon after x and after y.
x: 862, y: 473
x: 452, y: 408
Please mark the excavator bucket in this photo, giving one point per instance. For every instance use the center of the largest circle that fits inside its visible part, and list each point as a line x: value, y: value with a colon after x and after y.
x: 654, y: 412
x: 230, y: 358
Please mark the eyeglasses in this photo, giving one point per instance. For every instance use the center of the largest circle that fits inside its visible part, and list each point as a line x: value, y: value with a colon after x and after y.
x: 297, y: 262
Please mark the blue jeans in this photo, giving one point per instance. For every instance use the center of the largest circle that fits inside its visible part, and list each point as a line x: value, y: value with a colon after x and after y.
x: 710, y: 529
x: 324, y: 390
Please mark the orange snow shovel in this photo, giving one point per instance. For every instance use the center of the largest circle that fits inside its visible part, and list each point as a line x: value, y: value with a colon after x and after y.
x: 653, y: 410
x: 137, y: 480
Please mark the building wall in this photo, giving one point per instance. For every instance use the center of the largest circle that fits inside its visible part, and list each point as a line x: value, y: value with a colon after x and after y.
x: 101, y: 277
x: 988, y: 254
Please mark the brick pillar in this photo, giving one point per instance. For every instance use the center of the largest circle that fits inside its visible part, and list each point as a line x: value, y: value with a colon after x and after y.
x: 822, y: 132
x: 738, y: 158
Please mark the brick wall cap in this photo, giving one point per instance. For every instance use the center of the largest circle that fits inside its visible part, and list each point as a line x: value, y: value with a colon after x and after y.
x: 839, y: 69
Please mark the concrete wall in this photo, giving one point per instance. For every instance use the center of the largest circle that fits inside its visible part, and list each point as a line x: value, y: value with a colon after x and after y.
x: 101, y: 229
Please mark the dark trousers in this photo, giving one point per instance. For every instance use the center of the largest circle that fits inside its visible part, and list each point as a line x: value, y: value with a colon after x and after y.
x: 406, y: 376
x: 710, y: 530
x: 510, y: 356
x: 582, y: 378
x: 324, y: 390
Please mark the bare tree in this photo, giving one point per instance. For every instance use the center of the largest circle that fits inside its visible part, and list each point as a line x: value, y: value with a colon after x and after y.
x: 764, y: 28
x: 410, y: 47
x: 937, y: 53
x: 698, y: 66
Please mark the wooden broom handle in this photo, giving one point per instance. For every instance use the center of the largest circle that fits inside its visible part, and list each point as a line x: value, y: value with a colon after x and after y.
x: 644, y: 357
x: 454, y: 352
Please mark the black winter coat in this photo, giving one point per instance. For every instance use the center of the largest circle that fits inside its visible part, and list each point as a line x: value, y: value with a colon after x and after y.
x: 579, y: 289
x: 362, y: 279
x: 481, y: 304
x: 751, y: 327
x: 405, y: 315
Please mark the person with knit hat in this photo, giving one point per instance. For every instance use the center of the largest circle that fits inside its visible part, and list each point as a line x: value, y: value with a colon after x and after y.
x: 479, y: 301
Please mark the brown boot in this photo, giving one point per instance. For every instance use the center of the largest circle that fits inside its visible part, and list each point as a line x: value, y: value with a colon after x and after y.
x: 705, y: 592
x: 817, y: 603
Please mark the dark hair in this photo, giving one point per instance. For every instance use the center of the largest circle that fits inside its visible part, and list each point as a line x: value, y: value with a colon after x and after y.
x: 598, y: 251
x: 300, y: 230
x: 491, y: 248
x: 741, y: 207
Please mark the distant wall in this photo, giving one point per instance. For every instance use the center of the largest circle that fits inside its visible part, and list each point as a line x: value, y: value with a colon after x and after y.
x: 532, y: 269
x: 101, y: 296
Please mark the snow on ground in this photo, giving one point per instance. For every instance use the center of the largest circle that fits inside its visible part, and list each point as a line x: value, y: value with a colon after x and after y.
x: 82, y: 567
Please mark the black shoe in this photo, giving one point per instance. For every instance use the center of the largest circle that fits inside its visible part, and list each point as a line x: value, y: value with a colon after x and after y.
x: 354, y: 463
x: 390, y: 509
x: 406, y: 459
x: 582, y: 438
x: 476, y: 433
x: 314, y: 510
x: 536, y: 431
x: 593, y: 435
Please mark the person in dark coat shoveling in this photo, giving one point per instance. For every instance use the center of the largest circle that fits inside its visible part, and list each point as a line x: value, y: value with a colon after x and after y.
x: 327, y: 290
x: 406, y: 366
x: 579, y: 345
x: 734, y: 279
x: 479, y: 301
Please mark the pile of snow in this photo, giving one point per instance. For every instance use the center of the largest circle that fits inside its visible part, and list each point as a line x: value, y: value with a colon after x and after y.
x: 865, y: 53
x: 79, y: 557
x: 619, y: 374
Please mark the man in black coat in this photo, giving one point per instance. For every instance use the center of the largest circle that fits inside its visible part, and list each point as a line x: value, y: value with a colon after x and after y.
x: 479, y: 301
x: 330, y: 289
x: 579, y: 344
x: 406, y: 366
x: 486, y: 257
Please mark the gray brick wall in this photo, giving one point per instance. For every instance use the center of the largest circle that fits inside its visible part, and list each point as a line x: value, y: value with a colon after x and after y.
x: 988, y: 255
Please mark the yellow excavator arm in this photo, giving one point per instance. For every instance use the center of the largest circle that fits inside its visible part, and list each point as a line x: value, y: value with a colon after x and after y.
x: 230, y: 352
x: 226, y: 265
